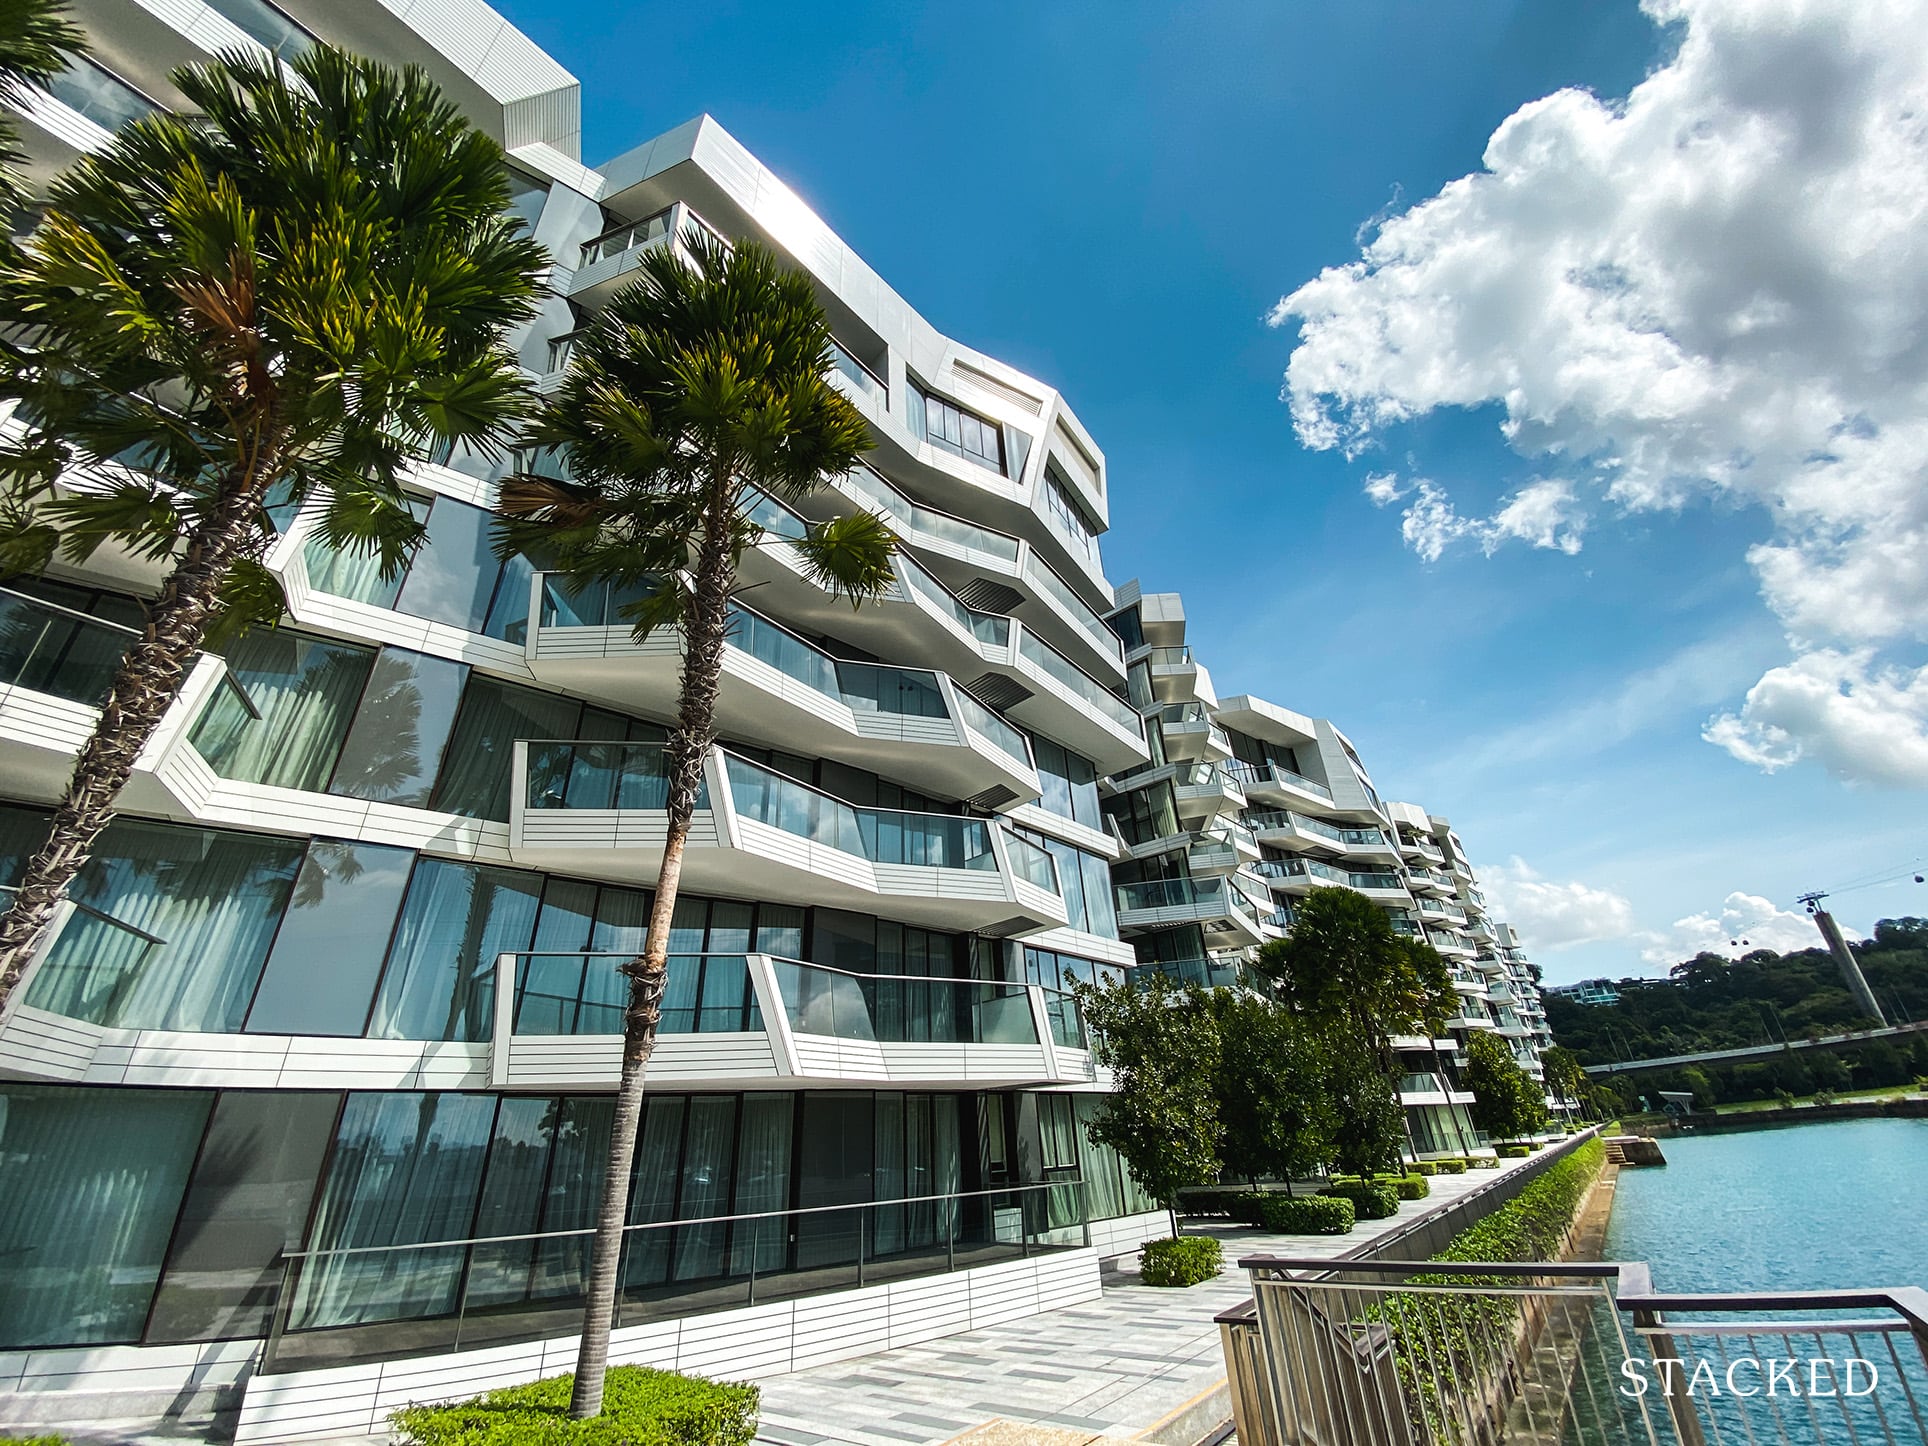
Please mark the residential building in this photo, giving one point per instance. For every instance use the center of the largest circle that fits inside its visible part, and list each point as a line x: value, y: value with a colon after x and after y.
x: 308, y: 1089
x: 1587, y: 991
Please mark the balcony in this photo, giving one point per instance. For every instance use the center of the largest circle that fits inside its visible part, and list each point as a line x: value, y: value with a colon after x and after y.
x: 1302, y: 875
x: 776, y: 688
x: 1215, y: 904
x: 1205, y: 791
x: 56, y: 665
x: 1280, y: 787
x: 967, y: 551
x: 1291, y: 829
x: 1430, y: 1089
x: 599, y: 808
x: 1173, y: 672
x: 1190, y: 734
x: 728, y: 1018
x: 608, y: 263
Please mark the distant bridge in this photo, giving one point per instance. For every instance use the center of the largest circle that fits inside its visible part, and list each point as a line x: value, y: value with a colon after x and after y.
x: 1762, y: 1052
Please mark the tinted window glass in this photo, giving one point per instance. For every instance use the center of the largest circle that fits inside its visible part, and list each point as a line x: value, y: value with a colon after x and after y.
x: 394, y: 747
x: 328, y: 954
x: 440, y: 981
x: 303, y: 692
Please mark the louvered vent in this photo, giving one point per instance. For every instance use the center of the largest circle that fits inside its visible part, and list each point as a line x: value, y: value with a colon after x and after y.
x: 982, y: 595
x: 997, y: 692
x: 969, y: 378
x: 992, y: 799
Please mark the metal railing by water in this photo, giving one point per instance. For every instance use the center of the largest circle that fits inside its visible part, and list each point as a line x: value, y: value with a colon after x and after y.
x: 1428, y: 1353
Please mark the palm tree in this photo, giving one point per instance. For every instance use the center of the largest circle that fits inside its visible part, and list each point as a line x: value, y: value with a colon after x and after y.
x: 698, y: 394
x: 287, y: 296
x: 35, y: 41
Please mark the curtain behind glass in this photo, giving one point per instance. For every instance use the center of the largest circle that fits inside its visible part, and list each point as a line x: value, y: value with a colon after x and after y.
x: 212, y: 899
x: 305, y: 691
x: 440, y: 980
x: 352, y: 573
x: 92, y: 1183
x: 480, y: 763
x: 407, y: 1168
x: 762, y: 1182
x: 393, y: 750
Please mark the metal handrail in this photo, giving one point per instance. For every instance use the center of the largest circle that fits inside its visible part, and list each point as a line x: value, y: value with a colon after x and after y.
x: 673, y: 1224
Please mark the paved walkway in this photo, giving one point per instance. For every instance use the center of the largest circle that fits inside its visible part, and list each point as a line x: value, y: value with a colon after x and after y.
x: 1115, y: 1366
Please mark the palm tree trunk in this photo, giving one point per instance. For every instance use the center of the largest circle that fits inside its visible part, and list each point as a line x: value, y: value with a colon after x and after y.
x: 706, y: 626
x: 146, y: 683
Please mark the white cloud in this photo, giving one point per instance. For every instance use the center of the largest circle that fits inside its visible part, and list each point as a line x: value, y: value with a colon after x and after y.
x: 1718, y: 287
x: 1551, y: 916
x: 1857, y: 720
x: 1745, y: 922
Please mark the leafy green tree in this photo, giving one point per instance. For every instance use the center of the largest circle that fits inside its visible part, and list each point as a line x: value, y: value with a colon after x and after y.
x: 1343, y: 966
x: 290, y: 296
x: 1507, y: 1103
x: 1368, y: 1124
x: 35, y: 40
x: 1564, y: 1074
x: 1162, y: 1046
x: 698, y: 395
x: 1271, y: 1092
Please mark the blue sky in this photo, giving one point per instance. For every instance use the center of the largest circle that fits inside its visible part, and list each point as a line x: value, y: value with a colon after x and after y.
x: 1112, y: 197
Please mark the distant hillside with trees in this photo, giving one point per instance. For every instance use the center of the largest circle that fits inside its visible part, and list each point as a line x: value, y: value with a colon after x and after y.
x: 1711, y: 1002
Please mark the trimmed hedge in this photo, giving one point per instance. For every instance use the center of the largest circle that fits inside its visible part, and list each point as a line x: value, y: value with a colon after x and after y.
x: 1455, y: 1166
x: 1180, y: 1260
x: 1513, y: 1152
x: 1531, y: 1225
x: 641, y: 1407
x: 1375, y: 1201
x: 1412, y: 1187
x: 1297, y: 1214
x: 1422, y: 1167
x: 1483, y: 1162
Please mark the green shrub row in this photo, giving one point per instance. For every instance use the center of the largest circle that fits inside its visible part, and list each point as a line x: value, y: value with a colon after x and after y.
x: 1455, y: 1166
x: 1375, y: 1201
x: 641, y: 1407
x: 1483, y: 1162
x: 1412, y: 1187
x: 1181, y: 1260
x: 1296, y: 1214
x: 1513, y: 1152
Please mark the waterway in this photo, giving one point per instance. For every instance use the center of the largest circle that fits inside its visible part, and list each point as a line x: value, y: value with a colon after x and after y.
x: 1827, y: 1206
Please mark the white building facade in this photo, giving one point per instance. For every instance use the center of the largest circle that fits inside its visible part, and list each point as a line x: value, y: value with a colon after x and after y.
x: 307, y: 1095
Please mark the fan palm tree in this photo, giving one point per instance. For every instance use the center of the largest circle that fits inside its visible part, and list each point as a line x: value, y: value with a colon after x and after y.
x: 699, y: 393
x: 35, y: 41
x: 290, y: 295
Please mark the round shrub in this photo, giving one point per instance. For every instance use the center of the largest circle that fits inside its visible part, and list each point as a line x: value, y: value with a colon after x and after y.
x: 1181, y: 1260
x: 1411, y: 1187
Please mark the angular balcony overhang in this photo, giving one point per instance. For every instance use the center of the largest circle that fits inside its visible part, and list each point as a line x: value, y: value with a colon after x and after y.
x: 609, y: 262
x: 997, y: 657
x: 600, y: 807
x: 1190, y: 735
x: 1172, y: 671
x: 1201, y: 799
x: 771, y: 1022
x: 1225, y: 915
x: 1271, y: 786
x: 777, y: 689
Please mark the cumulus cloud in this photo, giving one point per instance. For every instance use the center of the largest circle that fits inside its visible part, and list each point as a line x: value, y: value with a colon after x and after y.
x: 1745, y: 922
x: 1551, y: 916
x: 1715, y: 287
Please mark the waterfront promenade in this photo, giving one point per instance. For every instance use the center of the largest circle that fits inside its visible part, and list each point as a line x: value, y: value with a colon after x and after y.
x: 1114, y: 1367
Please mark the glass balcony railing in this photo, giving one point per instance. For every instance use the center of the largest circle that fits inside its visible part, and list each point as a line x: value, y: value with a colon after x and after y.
x: 773, y: 517
x: 1263, y: 773
x: 266, y: 24
x: 1185, y: 893
x: 630, y: 234
x: 988, y: 724
x: 585, y: 993
x: 902, y: 1009
x: 985, y: 627
x: 1421, y: 1084
x: 1031, y: 863
x: 859, y: 375
x: 881, y: 835
x: 908, y: 516
x: 569, y: 773
x: 1056, y: 665
x: 1166, y: 657
x: 1207, y: 973
x: 51, y: 649
x: 1372, y: 880
x: 1177, y: 715
x: 1047, y: 581
x: 99, y: 95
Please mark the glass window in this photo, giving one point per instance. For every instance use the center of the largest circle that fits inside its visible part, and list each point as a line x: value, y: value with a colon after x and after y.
x: 440, y: 980
x: 322, y: 970
x: 526, y: 197
x: 511, y: 1200
x: 762, y: 1181
x: 945, y: 424
x: 90, y: 1182
x: 394, y: 746
x: 1063, y: 508
x: 455, y: 577
x: 355, y: 573
x: 303, y: 692
x: 202, y: 907
x: 100, y: 95
x: 1070, y: 783
x: 248, y: 1201
x: 477, y: 775
x: 407, y: 1168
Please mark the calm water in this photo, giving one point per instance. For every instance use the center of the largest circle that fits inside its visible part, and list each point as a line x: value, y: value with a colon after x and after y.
x: 1802, y: 1207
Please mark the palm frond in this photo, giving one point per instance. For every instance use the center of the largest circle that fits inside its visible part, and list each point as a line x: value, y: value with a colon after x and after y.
x: 850, y: 555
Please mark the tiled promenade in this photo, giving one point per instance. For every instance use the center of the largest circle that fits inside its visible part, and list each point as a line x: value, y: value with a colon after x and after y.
x: 1111, y: 1367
